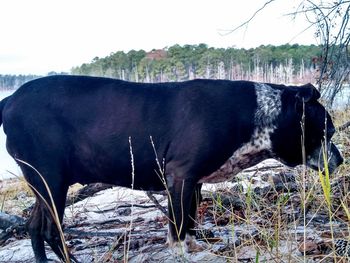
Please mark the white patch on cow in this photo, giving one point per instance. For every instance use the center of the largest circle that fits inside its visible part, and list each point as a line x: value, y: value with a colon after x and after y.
x: 259, y: 146
x: 269, y: 104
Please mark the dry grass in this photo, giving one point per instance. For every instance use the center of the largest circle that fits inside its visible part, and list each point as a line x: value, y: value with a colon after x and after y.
x: 15, y: 196
x: 11, y: 187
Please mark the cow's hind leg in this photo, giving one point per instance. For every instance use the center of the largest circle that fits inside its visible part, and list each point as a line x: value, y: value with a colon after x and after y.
x: 45, y: 221
x: 52, y: 230
x: 34, y: 226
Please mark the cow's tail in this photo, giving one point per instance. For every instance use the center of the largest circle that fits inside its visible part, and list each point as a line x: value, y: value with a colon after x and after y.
x: 2, y: 105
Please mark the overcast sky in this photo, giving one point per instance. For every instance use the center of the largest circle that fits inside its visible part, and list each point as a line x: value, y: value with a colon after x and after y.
x: 40, y: 36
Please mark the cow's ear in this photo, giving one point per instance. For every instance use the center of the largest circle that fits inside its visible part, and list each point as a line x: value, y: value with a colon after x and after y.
x: 307, y: 93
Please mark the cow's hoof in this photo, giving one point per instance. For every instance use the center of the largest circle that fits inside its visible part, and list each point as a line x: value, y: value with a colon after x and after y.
x: 192, y: 245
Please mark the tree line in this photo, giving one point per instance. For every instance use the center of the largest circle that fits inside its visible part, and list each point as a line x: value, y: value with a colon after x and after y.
x: 288, y: 64
x: 8, y: 82
x: 279, y: 64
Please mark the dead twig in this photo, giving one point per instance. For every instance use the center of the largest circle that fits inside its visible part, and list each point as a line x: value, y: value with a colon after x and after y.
x: 344, y: 126
x: 11, y: 225
x: 87, y: 191
x: 7, y: 220
x: 156, y: 203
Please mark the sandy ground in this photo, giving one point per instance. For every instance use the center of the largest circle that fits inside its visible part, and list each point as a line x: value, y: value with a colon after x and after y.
x: 120, y: 224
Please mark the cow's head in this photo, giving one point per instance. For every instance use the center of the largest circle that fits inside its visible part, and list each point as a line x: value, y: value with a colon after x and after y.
x: 304, y: 130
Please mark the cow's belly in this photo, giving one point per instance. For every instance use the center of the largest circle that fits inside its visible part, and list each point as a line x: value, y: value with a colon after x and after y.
x: 246, y: 156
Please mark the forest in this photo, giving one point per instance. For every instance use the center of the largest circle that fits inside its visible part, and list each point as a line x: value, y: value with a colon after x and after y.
x: 279, y: 64
x: 287, y: 64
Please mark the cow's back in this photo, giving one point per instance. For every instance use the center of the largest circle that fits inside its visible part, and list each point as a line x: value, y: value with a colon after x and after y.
x: 95, y: 126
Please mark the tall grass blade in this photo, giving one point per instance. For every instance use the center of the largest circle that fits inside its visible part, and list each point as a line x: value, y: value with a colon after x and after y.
x: 324, y: 177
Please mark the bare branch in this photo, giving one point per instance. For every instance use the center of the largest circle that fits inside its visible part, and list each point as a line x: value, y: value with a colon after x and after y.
x: 247, y: 21
x: 331, y: 20
x: 344, y: 126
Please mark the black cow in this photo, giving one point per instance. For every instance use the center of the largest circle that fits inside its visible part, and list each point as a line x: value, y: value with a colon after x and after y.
x: 75, y: 129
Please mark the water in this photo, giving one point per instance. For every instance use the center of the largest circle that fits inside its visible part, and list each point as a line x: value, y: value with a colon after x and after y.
x: 342, y: 100
x: 8, y: 166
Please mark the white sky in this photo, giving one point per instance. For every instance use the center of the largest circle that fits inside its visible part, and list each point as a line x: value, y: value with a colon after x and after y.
x: 39, y: 36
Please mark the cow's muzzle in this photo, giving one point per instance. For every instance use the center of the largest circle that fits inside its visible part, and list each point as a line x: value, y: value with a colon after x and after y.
x: 332, y: 155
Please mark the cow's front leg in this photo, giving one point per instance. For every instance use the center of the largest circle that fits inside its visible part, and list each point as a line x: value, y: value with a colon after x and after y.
x: 182, y: 209
x: 196, y: 200
x: 190, y: 241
